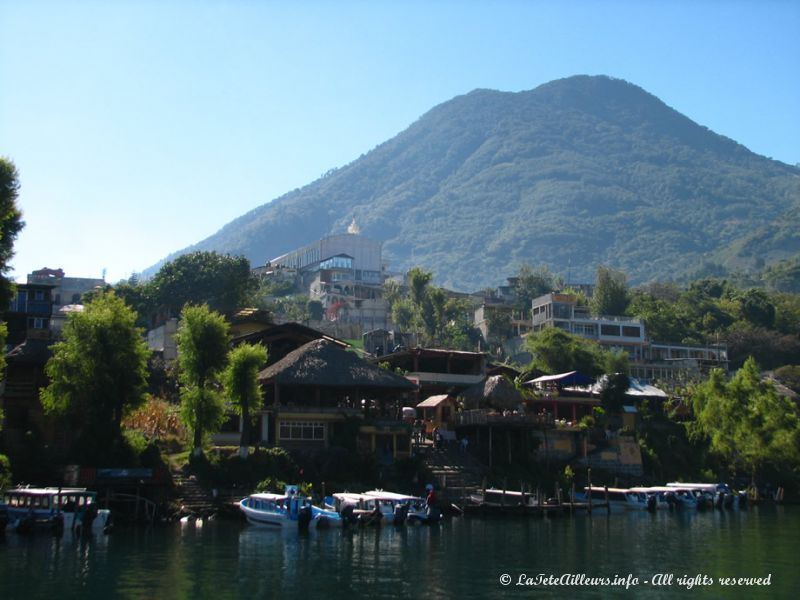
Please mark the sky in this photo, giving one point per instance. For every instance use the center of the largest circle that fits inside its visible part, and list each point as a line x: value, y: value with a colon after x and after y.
x: 141, y: 127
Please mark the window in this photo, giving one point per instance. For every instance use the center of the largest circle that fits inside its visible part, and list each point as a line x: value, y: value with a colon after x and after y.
x: 628, y: 331
x: 302, y: 431
x: 37, y: 323
x: 38, y: 295
x: 609, y: 330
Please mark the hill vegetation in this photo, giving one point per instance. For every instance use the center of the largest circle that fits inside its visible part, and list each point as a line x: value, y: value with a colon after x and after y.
x: 577, y: 172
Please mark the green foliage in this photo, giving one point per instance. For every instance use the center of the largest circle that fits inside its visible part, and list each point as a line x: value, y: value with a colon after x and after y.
x: 10, y: 224
x: 222, y: 282
x: 532, y: 283
x: 747, y: 423
x: 428, y: 311
x: 98, y: 372
x: 6, y: 478
x: 610, y: 293
x: 202, y: 341
x: 241, y: 383
x: 556, y: 351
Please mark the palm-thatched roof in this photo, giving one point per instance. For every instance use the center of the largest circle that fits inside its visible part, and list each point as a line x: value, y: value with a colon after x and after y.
x: 322, y: 362
x: 497, y: 391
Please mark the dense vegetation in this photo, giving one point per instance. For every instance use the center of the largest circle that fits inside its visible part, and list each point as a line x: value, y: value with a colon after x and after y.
x: 575, y: 173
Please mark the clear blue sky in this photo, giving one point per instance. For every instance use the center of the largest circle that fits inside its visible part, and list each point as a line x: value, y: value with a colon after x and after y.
x: 142, y: 127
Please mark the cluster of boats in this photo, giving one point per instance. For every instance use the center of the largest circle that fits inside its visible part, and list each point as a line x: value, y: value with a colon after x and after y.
x: 375, y: 507
x: 673, y: 496
x: 59, y: 510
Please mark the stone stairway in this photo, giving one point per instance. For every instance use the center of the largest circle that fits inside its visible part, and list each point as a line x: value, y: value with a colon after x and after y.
x: 193, y: 498
x: 457, y: 473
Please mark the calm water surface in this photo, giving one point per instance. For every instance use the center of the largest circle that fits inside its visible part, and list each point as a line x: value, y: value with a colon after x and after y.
x: 463, y: 559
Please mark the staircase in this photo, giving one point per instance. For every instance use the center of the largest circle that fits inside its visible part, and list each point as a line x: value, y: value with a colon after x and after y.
x: 193, y: 498
x: 457, y: 473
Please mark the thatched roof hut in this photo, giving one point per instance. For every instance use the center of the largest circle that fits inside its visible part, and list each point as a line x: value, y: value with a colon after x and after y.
x: 324, y: 363
x: 496, y: 392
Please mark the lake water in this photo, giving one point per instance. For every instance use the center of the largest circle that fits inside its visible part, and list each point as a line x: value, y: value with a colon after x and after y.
x: 464, y: 558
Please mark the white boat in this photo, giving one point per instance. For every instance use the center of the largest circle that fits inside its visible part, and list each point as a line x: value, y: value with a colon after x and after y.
x: 55, y: 509
x: 399, y: 508
x: 618, y: 498
x: 708, y: 494
x: 497, y: 498
x: 669, y: 497
x: 288, y: 510
x: 379, y: 507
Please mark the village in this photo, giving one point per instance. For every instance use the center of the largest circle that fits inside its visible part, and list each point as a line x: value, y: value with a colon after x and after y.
x: 350, y: 401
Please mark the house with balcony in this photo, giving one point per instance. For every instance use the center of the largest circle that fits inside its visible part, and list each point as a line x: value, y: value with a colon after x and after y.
x: 344, y: 272
x: 650, y: 361
x: 319, y: 394
x: 437, y: 371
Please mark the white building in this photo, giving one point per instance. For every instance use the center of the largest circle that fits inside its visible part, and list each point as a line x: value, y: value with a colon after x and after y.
x: 344, y: 272
x: 649, y: 360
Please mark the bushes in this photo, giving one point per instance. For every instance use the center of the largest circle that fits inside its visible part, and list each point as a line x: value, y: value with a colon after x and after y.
x: 5, y: 472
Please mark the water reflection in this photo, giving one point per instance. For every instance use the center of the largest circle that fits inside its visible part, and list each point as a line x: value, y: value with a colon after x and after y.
x: 463, y: 558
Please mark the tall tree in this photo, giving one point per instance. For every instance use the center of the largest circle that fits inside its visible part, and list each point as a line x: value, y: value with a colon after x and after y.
x: 98, y: 371
x: 610, y: 295
x: 202, y: 341
x: 10, y: 224
x: 241, y: 386
x: 747, y: 422
x: 222, y: 282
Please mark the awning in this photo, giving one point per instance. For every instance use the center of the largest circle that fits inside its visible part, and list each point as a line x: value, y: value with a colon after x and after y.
x: 571, y: 378
x: 433, y: 401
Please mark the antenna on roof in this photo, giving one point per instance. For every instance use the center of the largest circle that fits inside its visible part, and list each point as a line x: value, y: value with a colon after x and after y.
x: 104, y: 273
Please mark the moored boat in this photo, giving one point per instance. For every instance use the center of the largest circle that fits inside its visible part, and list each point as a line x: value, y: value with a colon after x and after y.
x: 55, y: 509
x: 288, y: 510
x: 618, y: 498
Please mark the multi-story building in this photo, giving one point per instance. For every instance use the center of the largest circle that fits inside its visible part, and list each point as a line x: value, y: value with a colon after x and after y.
x: 66, y: 290
x: 29, y: 313
x: 649, y: 360
x: 344, y: 272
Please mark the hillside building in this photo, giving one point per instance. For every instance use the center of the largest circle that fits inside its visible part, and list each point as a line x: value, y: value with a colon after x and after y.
x: 650, y: 361
x: 344, y: 272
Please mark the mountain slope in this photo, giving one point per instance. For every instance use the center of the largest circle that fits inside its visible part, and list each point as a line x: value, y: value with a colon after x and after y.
x: 574, y: 173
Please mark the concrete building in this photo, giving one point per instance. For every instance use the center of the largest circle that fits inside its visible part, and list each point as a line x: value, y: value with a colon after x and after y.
x: 650, y: 361
x: 344, y: 272
x: 66, y: 290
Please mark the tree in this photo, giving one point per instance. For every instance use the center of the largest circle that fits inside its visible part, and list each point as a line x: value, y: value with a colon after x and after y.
x: 747, y: 423
x: 202, y: 341
x: 10, y: 224
x: 556, y: 351
x: 532, y: 283
x: 222, y: 282
x: 98, y: 371
x: 418, y: 282
x: 610, y: 295
x: 241, y: 385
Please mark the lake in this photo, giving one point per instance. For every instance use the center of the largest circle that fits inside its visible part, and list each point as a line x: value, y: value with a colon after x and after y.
x: 464, y: 558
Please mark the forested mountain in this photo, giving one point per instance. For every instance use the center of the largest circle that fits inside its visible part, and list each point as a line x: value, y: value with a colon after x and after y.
x: 577, y: 172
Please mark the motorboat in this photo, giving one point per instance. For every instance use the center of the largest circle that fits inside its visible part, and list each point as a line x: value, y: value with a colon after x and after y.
x: 379, y: 507
x: 288, y: 510
x: 718, y: 495
x: 497, y: 498
x: 667, y: 497
x: 618, y: 498
x: 400, y: 508
x: 55, y: 509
